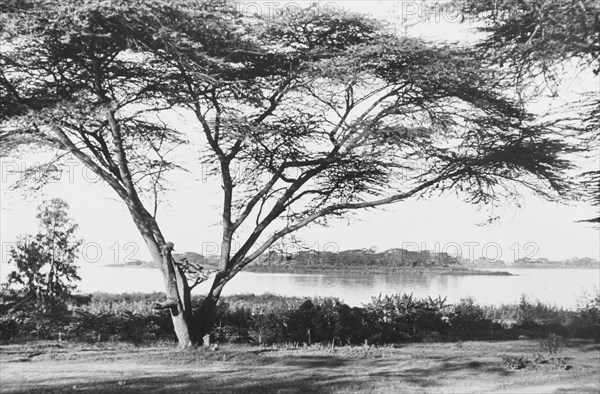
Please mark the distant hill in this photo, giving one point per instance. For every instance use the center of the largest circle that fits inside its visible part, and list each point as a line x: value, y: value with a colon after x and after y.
x: 208, y: 262
x: 132, y: 264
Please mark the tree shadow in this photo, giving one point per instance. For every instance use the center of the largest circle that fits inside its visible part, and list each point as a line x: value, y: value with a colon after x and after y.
x: 252, y: 372
x: 186, y: 383
x: 314, y: 361
x: 431, y: 376
x: 583, y: 345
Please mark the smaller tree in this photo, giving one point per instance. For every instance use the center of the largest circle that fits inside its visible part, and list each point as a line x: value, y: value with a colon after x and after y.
x: 46, y: 262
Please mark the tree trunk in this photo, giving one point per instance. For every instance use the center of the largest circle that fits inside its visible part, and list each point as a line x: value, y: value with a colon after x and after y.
x: 186, y: 307
x: 207, y: 313
x: 176, y: 286
x: 177, y: 291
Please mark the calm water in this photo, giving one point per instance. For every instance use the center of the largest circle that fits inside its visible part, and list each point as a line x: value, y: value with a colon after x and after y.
x: 561, y: 287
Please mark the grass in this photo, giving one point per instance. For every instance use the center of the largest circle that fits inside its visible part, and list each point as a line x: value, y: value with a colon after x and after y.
x: 470, y: 367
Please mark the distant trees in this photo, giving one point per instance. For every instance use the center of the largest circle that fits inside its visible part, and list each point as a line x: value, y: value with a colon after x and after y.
x: 325, y: 113
x: 360, y: 258
x: 45, y: 262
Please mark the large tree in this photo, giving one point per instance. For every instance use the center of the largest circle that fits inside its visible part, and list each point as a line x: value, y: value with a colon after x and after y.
x: 324, y: 113
x: 71, y: 79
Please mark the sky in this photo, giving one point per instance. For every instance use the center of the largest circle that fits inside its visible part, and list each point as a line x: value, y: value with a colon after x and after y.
x: 190, y: 219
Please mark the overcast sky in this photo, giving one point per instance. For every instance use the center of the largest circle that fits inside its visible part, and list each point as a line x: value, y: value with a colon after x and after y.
x: 191, y: 220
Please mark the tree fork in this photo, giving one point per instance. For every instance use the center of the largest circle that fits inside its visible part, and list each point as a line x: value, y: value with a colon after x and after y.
x: 168, y: 304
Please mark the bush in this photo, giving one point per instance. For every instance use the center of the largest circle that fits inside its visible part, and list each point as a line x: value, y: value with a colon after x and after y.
x: 468, y: 320
x: 270, y: 319
x: 329, y: 321
x: 267, y: 328
x: 587, y: 321
x: 233, y: 325
x: 399, y: 318
x: 9, y: 328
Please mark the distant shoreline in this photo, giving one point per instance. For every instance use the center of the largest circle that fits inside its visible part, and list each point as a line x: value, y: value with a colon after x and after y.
x: 285, y: 269
x: 270, y: 269
x: 282, y: 269
x: 544, y: 267
x: 124, y: 265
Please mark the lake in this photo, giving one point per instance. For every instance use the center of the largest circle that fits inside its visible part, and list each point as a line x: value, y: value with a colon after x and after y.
x: 560, y: 287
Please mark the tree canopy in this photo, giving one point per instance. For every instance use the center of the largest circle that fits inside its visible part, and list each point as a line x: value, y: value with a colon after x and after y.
x: 543, y: 42
x: 533, y: 36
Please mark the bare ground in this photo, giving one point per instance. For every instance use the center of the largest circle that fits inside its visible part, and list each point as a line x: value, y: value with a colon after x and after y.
x: 470, y: 367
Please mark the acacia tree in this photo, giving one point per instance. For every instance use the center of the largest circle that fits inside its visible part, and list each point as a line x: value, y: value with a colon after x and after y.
x: 326, y: 113
x: 71, y: 80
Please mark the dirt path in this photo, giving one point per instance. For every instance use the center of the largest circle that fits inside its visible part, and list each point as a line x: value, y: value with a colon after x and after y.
x: 473, y: 367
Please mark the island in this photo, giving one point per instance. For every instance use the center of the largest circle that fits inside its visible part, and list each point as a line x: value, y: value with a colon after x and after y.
x: 370, y: 261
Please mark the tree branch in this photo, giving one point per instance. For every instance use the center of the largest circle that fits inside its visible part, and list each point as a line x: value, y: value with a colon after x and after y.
x: 339, y: 207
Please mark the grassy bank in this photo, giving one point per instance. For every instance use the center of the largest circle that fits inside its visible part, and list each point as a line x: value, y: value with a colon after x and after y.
x: 467, y: 367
